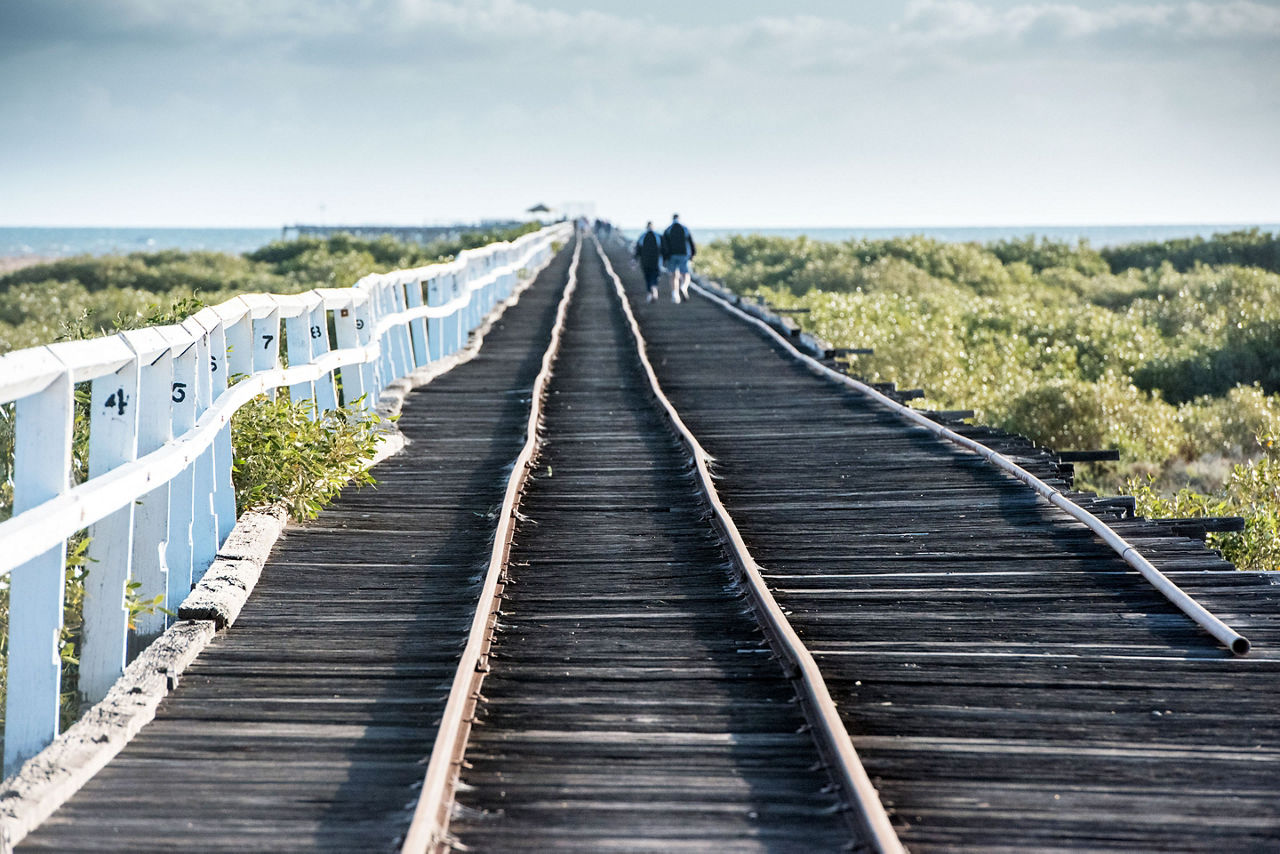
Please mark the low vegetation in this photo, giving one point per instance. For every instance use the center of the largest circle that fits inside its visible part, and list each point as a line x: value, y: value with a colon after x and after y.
x: 1247, y: 248
x: 87, y: 296
x: 1078, y: 349
x: 1252, y: 491
x: 287, y: 455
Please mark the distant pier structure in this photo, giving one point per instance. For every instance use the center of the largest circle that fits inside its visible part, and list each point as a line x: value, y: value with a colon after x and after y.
x: 408, y: 233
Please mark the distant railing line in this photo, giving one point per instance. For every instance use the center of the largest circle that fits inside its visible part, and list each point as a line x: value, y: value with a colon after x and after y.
x: 159, y: 500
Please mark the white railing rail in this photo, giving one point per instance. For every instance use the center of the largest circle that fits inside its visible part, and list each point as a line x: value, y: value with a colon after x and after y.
x: 158, y: 501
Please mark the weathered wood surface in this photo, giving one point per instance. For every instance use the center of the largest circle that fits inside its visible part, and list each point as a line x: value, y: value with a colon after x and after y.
x: 60, y: 770
x: 303, y: 728
x: 1009, y: 684
x: 631, y: 704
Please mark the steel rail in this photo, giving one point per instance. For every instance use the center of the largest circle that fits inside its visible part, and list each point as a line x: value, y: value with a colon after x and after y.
x: 429, y: 827
x: 1229, y: 637
x: 820, y: 709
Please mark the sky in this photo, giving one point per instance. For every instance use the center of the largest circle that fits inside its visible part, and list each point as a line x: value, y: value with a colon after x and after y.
x: 261, y: 113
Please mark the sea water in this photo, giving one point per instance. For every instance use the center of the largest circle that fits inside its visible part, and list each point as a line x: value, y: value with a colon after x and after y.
x: 61, y: 242
x: 1098, y: 236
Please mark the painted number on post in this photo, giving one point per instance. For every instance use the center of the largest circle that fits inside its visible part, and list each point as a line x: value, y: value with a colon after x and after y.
x: 179, y: 392
x: 117, y: 401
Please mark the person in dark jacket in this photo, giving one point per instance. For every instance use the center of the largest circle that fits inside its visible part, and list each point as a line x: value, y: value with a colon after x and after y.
x: 678, y: 250
x: 648, y: 252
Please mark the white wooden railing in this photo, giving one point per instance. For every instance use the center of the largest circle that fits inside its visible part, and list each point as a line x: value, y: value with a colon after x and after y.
x: 158, y: 501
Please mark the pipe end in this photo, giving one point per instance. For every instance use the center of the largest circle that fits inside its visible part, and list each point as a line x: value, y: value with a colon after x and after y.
x: 1241, y: 645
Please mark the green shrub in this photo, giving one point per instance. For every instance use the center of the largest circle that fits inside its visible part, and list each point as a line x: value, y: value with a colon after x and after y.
x: 1074, y: 414
x: 1043, y: 254
x: 285, y: 455
x: 1229, y: 425
x: 1251, y: 492
x: 1246, y: 248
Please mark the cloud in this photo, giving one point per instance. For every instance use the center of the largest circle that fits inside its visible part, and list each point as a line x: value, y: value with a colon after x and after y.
x: 833, y: 106
x: 412, y: 33
x: 956, y: 21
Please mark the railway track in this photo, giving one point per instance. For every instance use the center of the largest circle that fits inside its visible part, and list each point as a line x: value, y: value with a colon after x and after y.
x: 627, y: 689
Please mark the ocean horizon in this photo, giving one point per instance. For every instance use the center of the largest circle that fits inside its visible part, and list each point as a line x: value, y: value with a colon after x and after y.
x: 1097, y: 236
x: 54, y: 242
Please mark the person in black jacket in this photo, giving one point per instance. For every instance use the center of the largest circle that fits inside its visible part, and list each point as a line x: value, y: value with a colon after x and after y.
x: 678, y: 250
x: 648, y: 252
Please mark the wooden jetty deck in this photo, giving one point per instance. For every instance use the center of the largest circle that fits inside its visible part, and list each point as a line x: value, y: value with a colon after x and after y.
x: 1009, y: 684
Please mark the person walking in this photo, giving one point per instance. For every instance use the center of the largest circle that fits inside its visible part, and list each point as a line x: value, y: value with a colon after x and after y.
x: 678, y: 250
x: 648, y: 252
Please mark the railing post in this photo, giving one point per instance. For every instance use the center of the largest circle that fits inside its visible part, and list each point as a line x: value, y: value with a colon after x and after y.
x: 326, y: 392
x: 397, y: 343
x: 238, y: 329
x: 113, y: 441
x: 462, y: 287
x: 151, y: 516
x: 41, y: 471
x: 455, y: 335
x: 347, y: 327
x: 495, y: 287
x: 509, y: 255
x: 491, y: 289
x: 224, y: 491
x: 266, y: 334
x: 179, y: 552
x: 435, y: 325
x: 401, y: 332
x: 482, y: 304
x: 366, y: 320
x: 298, y: 332
x: 475, y: 270
x: 204, y: 515
x: 417, y: 328
x: 386, y: 341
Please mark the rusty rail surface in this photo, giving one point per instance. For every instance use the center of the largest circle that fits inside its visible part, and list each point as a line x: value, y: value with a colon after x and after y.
x: 1229, y: 637
x: 429, y: 827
